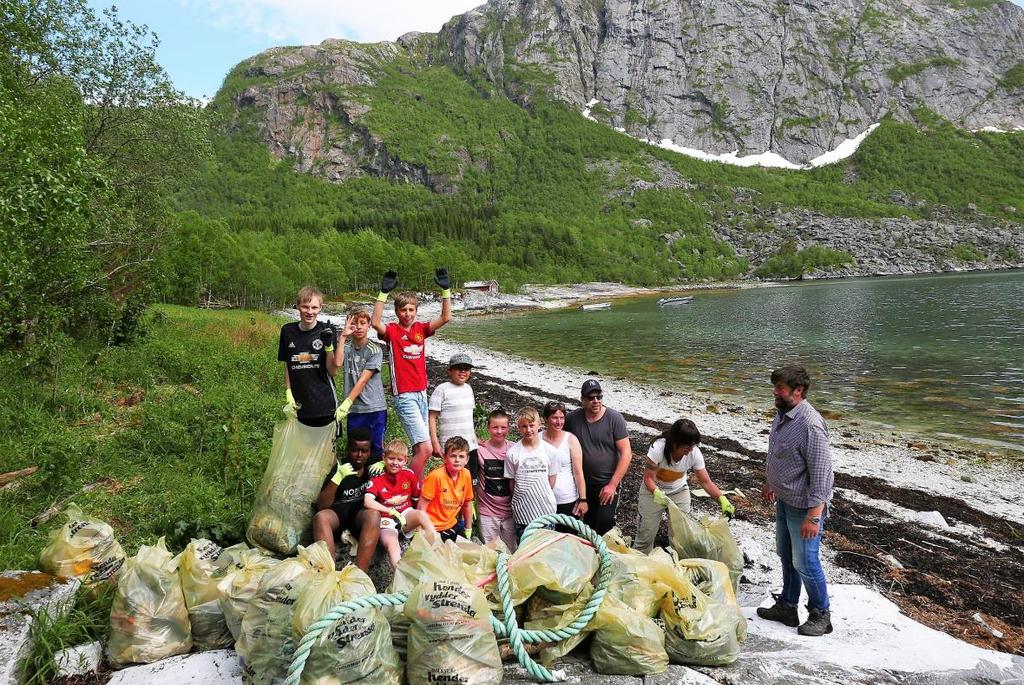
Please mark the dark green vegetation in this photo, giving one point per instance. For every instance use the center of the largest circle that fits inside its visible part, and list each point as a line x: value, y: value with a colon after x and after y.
x: 539, y: 193
x: 789, y: 262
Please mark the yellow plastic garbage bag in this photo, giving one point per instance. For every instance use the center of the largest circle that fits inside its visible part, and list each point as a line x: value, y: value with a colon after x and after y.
x: 626, y: 642
x: 198, y: 566
x: 700, y: 631
x: 267, y: 642
x: 357, y: 647
x: 708, y: 538
x: 84, y: 548
x: 640, y: 580
x: 323, y: 594
x: 424, y: 559
x: 543, y: 615
x: 300, y: 459
x: 148, y: 619
x: 557, y: 565
x: 239, y: 584
x: 450, y: 637
x: 712, y: 578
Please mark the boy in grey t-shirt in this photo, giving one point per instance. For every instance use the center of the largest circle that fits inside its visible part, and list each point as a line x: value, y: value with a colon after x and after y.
x: 364, y: 404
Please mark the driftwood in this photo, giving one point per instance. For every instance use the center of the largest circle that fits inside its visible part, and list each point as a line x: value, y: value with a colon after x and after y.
x: 10, y: 476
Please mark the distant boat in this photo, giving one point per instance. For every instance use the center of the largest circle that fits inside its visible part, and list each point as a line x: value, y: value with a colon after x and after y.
x: 674, y: 301
x: 595, y: 306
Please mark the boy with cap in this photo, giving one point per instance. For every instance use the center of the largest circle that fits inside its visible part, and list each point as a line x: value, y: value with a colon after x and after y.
x: 604, y: 438
x: 451, y: 411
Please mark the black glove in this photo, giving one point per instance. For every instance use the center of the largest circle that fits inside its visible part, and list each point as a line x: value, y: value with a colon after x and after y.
x: 328, y: 336
x: 389, y: 281
x: 442, y: 278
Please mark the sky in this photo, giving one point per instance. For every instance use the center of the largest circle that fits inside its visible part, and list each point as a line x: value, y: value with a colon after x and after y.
x: 201, y: 40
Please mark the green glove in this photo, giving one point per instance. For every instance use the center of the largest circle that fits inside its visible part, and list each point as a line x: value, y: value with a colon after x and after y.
x: 727, y: 508
x: 342, y: 472
x: 468, y: 532
x: 342, y: 410
x: 376, y: 468
x: 291, y: 406
x: 398, y: 516
x: 660, y: 498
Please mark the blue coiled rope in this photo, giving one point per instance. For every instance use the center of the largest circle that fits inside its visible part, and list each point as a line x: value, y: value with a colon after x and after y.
x: 503, y: 628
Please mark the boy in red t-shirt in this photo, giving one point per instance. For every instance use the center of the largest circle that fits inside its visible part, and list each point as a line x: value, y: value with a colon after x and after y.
x: 448, y: 491
x: 407, y: 352
x: 392, y: 493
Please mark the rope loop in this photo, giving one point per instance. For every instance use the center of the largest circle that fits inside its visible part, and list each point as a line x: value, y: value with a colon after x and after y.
x: 506, y: 626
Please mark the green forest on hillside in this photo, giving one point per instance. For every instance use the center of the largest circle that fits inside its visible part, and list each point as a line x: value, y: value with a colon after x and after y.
x: 148, y: 197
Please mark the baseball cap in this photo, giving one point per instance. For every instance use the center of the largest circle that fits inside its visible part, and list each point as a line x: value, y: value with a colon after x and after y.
x: 589, y: 386
x: 460, y: 359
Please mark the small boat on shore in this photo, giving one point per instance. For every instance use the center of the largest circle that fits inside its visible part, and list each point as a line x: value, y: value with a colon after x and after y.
x: 675, y: 301
x: 595, y: 306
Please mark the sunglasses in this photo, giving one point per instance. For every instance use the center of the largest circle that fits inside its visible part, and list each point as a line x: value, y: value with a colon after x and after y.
x: 595, y: 397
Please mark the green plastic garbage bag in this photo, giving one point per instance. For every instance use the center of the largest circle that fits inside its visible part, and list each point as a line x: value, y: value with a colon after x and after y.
x: 148, y: 619
x: 712, y: 578
x: 84, y: 548
x: 626, y: 642
x: 239, y: 584
x: 300, y: 459
x: 450, y: 637
x: 708, y: 538
x: 557, y: 565
x: 267, y: 641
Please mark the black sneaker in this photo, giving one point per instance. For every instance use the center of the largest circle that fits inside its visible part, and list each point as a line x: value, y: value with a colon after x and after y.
x: 783, y: 613
x: 818, y: 623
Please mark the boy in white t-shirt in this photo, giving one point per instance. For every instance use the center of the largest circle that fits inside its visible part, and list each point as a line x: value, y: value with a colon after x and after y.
x: 451, y: 411
x: 669, y: 459
x: 531, y: 470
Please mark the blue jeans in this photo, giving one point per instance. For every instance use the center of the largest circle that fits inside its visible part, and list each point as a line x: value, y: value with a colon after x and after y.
x: 411, y: 408
x: 800, y: 562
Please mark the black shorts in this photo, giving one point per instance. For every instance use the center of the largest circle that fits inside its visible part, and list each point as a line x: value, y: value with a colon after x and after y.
x: 349, y: 519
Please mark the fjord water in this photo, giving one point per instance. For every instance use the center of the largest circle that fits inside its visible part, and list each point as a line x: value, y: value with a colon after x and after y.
x: 941, y: 356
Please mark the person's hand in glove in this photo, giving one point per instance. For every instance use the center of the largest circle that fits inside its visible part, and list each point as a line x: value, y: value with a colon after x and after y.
x: 728, y: 510
x: 442, y: 278
x: 342, y: 410
x: 291, y: 406
x: 327, y: 337
x: 468, y: 533
x: 342, y: 472
x: 398, y: 516
x: 376, y: 468
x: 660, y: 498
x: 388, y: 282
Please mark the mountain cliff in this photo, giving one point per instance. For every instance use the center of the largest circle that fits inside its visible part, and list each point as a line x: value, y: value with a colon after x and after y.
x: 792, y: 77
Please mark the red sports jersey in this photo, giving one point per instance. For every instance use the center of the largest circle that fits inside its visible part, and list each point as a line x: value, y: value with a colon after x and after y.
x: 408, y: 361
x: 395, y: 491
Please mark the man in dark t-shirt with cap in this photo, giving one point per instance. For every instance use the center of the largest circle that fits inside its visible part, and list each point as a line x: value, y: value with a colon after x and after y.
x: 604, y: 437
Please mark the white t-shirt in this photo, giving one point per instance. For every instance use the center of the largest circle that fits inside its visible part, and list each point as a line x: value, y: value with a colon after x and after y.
x: 456, y: 404
x: 532, y: 495
x: 565, y: 485
x: 671, y: 475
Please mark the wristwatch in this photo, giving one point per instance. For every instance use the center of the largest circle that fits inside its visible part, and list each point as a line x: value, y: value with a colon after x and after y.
x: 814, y: 519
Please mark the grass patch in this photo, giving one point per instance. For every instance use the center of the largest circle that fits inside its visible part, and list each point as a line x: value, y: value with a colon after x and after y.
x: 789, y: 262
x: 1013, y: 79
x: 88, y: 620
x: 901, y: 72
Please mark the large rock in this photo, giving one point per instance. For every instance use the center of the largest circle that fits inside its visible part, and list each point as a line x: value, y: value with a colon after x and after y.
x: 24, y: 595
x: 220, y: 667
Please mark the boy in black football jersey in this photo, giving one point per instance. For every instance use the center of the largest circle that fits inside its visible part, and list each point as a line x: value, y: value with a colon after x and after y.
x: 340, y: 503
x: 311, y: 359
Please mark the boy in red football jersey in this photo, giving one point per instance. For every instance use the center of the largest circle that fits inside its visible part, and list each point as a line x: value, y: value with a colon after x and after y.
x: 407, y: 351
x: 393, y: 493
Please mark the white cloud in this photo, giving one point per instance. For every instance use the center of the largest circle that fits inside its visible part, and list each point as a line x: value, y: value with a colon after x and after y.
x: 311, y: 21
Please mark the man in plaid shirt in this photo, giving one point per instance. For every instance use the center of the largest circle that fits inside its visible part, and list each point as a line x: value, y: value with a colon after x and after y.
x: 798, y: 479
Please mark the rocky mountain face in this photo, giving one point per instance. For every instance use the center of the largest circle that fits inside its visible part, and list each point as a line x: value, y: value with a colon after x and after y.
x: 794, y: 77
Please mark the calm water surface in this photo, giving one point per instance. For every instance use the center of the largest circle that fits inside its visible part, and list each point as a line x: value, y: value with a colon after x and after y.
x: 939, y: 355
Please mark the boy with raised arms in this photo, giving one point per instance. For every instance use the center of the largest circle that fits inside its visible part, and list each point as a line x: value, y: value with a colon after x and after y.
x: 406, y: 349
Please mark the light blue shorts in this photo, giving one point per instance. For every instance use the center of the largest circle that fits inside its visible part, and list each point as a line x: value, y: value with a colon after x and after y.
x: 411, y: 408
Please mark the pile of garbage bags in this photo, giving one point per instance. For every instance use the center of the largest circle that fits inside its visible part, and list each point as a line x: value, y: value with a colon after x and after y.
x: 659, y: 608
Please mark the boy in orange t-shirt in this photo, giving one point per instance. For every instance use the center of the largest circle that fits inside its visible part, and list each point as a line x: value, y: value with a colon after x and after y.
x: 447, y: 490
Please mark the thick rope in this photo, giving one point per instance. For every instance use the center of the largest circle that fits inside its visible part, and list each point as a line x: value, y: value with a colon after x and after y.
x: 507, y: 627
